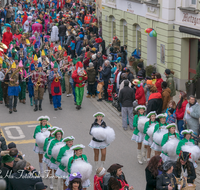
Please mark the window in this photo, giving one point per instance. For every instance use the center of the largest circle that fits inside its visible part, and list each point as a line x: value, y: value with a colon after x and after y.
x: 125, y: 38
x: 156, y: 1
x: 193, y: 2
x: 138, y: 37
x: 113, y: 28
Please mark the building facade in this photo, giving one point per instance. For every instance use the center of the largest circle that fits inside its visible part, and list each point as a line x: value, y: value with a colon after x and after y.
x: 176, y: 22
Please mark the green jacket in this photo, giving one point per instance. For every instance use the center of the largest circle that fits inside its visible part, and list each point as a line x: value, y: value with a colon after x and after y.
x: 74, y: 158
x: 182, y: 143
x: 60, y: 155
x: 53, y: 142
x: 157, y: 127
x: 166, y: 138
x: 135, y: 124
x: 46, y: 142
x: 38, y: 130
x: 171, y: 84
x: 146, y: 126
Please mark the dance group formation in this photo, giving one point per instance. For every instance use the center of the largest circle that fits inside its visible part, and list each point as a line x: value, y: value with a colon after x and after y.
x: 58, y: 46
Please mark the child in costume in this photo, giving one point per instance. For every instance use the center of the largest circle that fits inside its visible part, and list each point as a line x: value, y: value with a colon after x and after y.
x: 138, y: 135
x: 187, y: 144
x: 101, y: 133
x: 40, y: 128
x: 169, y: 143
x: 148, y: 131
x: 78, y: 163
x: 98, y: 178
x: 75, y: 181
x: 159, y: 131
x: 63, y: 157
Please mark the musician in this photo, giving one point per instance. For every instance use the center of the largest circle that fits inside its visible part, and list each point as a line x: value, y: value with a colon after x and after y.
x: 23, y: 75
x: 7, y: 38
x: 10, y: 59
x: 60, y: 53
x: 27, y: 63
x: 21, y: 53
x: 30, y: 84
x: 55, y: 78
x: 46, y: 44
x: 4, y: 85
x: 39, y: 79
x: 51, y: 51
x: 44, y: 60
x: 13, y: 79
x: 16, y: 59
x: 79, y: 76
x: 35, y: 59
x: 36, y: 51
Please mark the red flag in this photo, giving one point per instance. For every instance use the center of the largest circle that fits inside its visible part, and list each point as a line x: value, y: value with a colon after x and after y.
x: 25, y: 17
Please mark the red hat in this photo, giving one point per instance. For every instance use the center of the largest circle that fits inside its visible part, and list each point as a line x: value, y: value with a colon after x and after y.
x: 79, y: 64
x: 98, y: 40
x: 65, y: 54
x: 51, y: 44
x: 55, y: 49
x: 69, y: 59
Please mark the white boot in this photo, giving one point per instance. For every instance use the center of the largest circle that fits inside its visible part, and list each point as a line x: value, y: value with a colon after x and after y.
x: 144, y: 153
x: 41, y: 168
x: 102, y: 163
x: 96, y: 165
x: 51, y: 182
x: 139, y: 156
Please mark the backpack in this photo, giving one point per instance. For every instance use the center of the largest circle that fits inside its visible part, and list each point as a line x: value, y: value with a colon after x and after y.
x: 106, y: 179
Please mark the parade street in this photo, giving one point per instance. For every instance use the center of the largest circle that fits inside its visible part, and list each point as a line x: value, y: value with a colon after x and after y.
x: 19, y: 128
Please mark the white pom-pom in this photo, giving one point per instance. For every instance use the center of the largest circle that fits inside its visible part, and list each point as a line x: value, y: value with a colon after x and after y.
x: 48, y: 148
x: 98, y: 133
x: 170, y: 147
x: 158, y: 136
x: 84, y: 168
x: 110, y: 134
x: 141, y: 122
x: 40, y: 138
x: 194, y: 150
x: 65, y: 159
x: 150, y: 130
x: 56, y: 148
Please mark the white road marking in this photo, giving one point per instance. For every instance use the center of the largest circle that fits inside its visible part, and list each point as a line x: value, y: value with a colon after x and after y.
x: 31, y: 125
x: 18, y: 129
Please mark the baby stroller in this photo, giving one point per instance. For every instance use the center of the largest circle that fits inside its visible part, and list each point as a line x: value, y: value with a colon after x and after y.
x: 115, y: 102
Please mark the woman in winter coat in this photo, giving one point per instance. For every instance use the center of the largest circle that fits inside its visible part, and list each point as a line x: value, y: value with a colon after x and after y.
x: 117, y: 180
x: 180, y: 110
x: 159, y: 81
x: 153, y: 169
x: 54, y: 34
x: 139, y: 95
x: 170, y: 82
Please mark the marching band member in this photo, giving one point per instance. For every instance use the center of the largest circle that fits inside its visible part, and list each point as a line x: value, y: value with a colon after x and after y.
x: 42, y: 127
x: 30, y: 84
x: 4, y: 85
x: 79, y: 76
x: 44, y: 60
x: 1, y: 80
x: 55, y: 77
x: 13, y: 78
x: 39, y: 79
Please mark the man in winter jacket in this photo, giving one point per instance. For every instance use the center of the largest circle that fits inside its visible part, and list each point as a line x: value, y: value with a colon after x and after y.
x: 106, y: 74
x: 170, y: 82
x: 129, y: 74
x: 141, y: 71
x: 165, y: 96
x: 126, y: 98
x: 155, y: 101
x: 91, y: 80
x: 192, y: 114
x: 62, y: 33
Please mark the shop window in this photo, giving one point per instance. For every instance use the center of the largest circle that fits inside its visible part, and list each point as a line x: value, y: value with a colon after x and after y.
x: 193, y: 2
x: 125, y: 36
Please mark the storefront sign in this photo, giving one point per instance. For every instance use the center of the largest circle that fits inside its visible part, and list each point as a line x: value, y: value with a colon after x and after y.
x: 191, y: 19
x: 129, y: 7
x: 162, y: 53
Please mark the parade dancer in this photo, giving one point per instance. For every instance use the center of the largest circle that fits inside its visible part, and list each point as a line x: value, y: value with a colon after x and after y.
x: 39, y: 80
x: 100, y: 135
x: 79, y: 76
x: 149, y: 128
x: 55, y: 77
x: 138, y: 135
x: 40, y: 128
x: 23, y: 74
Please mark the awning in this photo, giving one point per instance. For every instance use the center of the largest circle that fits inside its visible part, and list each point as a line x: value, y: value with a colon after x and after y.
x: 191, y: 31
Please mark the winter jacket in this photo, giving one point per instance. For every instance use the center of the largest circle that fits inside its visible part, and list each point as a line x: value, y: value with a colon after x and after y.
x: 54, y: 34
x: 158, y: 84
x: 91, y: 75
x: 151, y: 180
x: 5, y: 173
x: 8, y: 15
x: 142, y: 73
x: 106, y: 73
x: 180, y: 112
x: 165, y: 98
x: 130, y: 77
x: 155, y: 103
x: 24, y: 180
x: 99, y: 61
x: 140, y: 96
x: 62, y: 30
x: 163, y: 181
x: 171, y: 84
x: 126, y: 96
x: 191, y: 177
x: 79, y: 47
x: 72, y: 45
x: 192, y: 119
x: 3, y: 144
x: 98, y: 182
x: 117, y: 183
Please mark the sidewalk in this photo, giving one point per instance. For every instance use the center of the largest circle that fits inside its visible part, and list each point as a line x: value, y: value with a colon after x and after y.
x: 114, y: 115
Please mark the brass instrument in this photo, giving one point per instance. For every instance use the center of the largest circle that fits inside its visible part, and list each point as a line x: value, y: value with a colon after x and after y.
x: 83, y: 74
x: 14, y: 77
x: 6, y: 57
x: 8, y: 71
x: 28, y: 76
x: 3, y: 46
x: 38, y: 83
x: 57, y: 77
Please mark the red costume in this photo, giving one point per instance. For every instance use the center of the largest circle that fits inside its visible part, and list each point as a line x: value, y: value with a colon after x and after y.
x: 140, y: 95
x: 97, y: 182
x: 7, y: 38
x: 158, y: 84
x: 110, y: 91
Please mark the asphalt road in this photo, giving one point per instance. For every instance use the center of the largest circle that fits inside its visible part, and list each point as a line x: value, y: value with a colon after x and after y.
x: 19, y: 127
